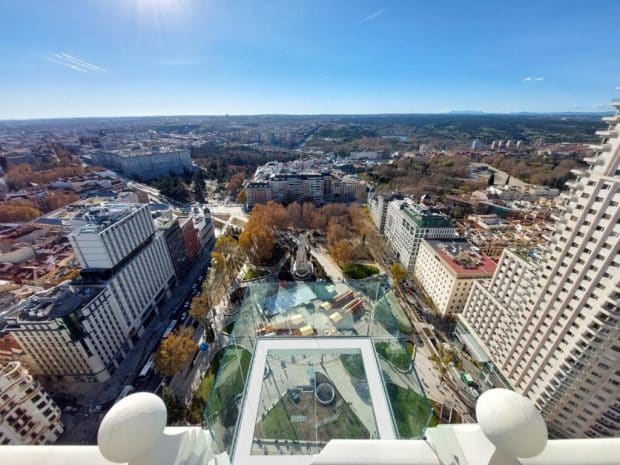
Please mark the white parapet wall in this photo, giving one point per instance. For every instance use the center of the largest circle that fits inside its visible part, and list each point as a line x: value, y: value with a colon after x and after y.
x: 510, y: 432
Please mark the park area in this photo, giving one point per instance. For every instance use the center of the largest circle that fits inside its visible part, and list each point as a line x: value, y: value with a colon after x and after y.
x: 359, y: 270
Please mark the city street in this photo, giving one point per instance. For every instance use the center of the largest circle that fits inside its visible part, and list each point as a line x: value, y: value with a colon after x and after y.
x: 434, y: 386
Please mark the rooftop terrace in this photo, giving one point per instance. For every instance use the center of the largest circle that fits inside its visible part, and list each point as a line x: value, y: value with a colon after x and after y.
x: 463, y: 258
x: 102, y: 216
x: 56, y: 302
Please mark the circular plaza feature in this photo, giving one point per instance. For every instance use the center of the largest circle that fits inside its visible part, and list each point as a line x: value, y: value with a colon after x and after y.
x: 325, y: 393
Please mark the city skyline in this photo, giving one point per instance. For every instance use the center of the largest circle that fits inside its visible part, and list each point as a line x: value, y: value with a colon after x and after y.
x: 184, y: 57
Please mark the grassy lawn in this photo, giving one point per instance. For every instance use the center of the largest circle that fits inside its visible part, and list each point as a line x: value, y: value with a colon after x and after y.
x: 411, y: 410
x: 235, y: 365
x: 253, y: 274
x: 354, y: 365
x: 359, y: 270
x: 395, y: 354
x: 277, y: 425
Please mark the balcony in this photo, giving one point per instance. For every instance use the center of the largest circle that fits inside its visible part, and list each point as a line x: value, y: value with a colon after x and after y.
x: 593, y: 161
x: 600, y: 148
x: 611, y: 119
x: 509, y: 426
x: 607, y: 134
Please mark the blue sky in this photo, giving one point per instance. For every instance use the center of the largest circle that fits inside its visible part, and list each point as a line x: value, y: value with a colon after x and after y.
x: 66, y: 58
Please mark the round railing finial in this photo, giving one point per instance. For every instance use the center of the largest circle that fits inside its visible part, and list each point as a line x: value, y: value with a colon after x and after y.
x: 512, y: 423
x: 132, y: 427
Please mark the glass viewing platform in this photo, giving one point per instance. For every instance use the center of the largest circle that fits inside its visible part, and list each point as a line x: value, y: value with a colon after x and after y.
x: 311, y: 362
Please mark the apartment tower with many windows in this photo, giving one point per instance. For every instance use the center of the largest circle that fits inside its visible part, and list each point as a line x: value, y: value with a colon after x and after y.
x: 552, y: 326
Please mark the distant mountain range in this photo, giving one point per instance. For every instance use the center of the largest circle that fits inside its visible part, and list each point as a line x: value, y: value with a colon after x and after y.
x: 534, y: 113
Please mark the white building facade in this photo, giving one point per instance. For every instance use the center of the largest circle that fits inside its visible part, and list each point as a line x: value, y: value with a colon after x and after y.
x: 28, y: 415
x: 406, y: 224
x: 203, y: 222
x: 145, y: 164
x: 446, y: 270
x: 557, y: 338
x: 112, y: 233
x: 83, y: 331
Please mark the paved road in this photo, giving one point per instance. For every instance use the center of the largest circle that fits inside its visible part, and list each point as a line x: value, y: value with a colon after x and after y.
x: 331, y: 268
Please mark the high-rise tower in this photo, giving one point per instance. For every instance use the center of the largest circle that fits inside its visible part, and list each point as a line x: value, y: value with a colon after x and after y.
x: 556, y: 336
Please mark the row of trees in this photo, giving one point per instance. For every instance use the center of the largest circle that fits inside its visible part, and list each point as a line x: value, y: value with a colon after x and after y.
x: 18, y: 211
x: 22, y: 175
x: 23, y: 210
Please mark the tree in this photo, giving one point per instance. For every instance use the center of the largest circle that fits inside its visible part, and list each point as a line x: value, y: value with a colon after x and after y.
x: 235, y: 182
x: 175, y: 352
x: 398, y: 272
x: 294, y: 213
x: 307, y: 214
x: 335, y: 232
x: 174, y: 405
x: 342, y: 252
x: 198, y: 186
x: 18, y: 211
x: 242, y: 197
x: 257, y: 241
x: 200, y: 308
x: 226, y: 245
x: 491, y: 180
x: 57, y: 200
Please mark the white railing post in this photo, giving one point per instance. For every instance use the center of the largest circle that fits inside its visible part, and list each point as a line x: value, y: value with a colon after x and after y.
x: 134, y: 432
x: 512, y: 424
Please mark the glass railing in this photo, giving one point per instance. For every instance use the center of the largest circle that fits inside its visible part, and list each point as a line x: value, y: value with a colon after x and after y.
x: 289, y: 404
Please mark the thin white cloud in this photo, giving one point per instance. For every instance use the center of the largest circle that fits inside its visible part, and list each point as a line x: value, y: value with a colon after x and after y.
x: 75, y: 63
x: 530, y: 78
x: 374, y: 15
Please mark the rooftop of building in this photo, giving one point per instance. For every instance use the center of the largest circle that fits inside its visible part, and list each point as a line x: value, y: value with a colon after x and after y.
x: 423, y: 216
x: 463, y: 258
x: 102, y: 216
x: 146, y: 151
x: 57, y: 302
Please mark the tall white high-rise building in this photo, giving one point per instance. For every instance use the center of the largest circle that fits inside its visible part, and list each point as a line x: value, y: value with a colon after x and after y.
x: 28, y: 415
x: 552, y: 327
x: 84, y: 330
x: 113, y: 231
